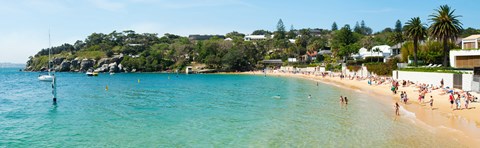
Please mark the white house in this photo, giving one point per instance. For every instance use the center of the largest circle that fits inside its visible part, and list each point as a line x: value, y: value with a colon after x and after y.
x: 469, y: 56
x: 255, y: 37
x: 384, y: 51
x: 471, y: 42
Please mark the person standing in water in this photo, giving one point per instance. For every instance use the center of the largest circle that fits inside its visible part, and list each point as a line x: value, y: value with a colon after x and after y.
x: 397, y: 109
x: 341, y: 101
x: 346, y: 102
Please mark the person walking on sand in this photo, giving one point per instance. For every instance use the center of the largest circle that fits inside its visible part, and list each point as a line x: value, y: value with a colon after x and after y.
x: 441, y: 83
x: 451, y: 100
x: 405, y: 97
x: 402, y: 95
x: 466, y: 102
x: 397, y: 109
x: 457, y: 101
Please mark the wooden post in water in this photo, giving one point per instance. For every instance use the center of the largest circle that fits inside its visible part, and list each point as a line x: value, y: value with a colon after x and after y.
x: 54, y: 89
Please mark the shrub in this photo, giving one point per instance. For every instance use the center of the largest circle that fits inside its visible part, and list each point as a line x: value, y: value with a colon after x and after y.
x: 374, y: 59
x: 355, y: 62
x: 383, y: 69
x: 354, y: 68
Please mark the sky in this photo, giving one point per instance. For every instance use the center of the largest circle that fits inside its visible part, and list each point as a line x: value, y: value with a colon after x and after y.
x: 26, y: 24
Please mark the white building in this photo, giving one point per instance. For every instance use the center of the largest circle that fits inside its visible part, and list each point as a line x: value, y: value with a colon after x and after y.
x: 469, y: 56
x: 384, y: 51
x: 255, y: 37
x: 471, y: 42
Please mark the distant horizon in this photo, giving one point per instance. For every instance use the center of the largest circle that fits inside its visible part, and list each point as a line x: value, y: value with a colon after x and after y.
x: 28, y: 22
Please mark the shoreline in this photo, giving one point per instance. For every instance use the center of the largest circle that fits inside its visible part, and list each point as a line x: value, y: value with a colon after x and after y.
x: 461, y: 125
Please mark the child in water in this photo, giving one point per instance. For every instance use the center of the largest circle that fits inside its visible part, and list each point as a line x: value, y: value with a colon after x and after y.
x: 397, y: 109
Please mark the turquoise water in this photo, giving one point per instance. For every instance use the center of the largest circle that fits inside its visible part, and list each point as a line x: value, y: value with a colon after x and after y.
x: 197, y: 111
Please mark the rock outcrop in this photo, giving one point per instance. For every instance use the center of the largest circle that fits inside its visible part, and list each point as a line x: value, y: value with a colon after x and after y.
x: 57, y: 61
x: 75, y: 64
x: 86, y: 64
x: 103, y: 61
x: 113, y: 67
x: 64, y: 66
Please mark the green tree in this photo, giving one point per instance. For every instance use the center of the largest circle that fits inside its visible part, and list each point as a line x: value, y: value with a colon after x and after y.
x: 367, y: 42
x: 398, y: 26
x: 234, y: 35
x: 416, y: 31
x: 291, y: 34
x: 364, y: 29
x: 334, y: 26
x: 344, y: 42
x: 280, y: 33
x: 261, y: 32
x: 397, y: 36
x: 445, y: 26
x: 357, y: 28
x: 469, y: 31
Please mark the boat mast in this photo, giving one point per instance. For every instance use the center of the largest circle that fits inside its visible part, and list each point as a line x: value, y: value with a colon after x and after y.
x: 49, y: 48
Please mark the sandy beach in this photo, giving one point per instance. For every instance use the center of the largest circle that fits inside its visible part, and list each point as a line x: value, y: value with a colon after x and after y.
x: 462, y: 125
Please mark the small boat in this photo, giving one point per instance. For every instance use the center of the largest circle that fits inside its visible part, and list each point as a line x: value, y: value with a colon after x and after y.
x: 112, y: 73
x: 89, y: 73
x: 46, y: 78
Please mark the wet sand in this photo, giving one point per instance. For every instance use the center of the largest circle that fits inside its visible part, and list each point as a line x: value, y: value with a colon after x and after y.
x: 461, y: 125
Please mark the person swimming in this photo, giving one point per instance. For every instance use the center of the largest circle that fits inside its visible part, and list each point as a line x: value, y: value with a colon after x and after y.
x: 309, y: 96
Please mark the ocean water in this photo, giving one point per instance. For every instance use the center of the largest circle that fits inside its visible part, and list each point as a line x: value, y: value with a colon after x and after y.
x: 168, y: 110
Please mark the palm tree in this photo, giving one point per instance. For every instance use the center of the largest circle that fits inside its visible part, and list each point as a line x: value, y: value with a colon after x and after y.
x: 445, y: 26
x: 415, y: 30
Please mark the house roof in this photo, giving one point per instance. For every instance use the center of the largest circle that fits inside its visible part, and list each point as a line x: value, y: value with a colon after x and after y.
x: 472, y: 37
x: 256, y: 36
x: 274, y: 61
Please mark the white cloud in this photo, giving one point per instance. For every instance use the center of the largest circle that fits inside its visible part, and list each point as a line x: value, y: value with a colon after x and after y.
x: 108, y: 5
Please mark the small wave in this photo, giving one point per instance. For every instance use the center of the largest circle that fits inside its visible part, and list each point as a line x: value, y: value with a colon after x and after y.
x: 407, y: 113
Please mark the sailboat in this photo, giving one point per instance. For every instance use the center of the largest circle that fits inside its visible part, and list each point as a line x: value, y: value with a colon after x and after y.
x: 49, y: 77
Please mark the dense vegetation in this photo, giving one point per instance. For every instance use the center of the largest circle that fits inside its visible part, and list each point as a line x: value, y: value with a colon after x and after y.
x: 150, y: 52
